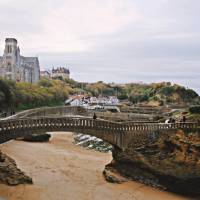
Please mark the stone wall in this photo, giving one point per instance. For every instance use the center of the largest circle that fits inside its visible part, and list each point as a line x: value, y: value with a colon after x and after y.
x: 74, y: 110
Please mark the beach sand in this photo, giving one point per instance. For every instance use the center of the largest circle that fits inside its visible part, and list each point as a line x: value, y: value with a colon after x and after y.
x: 63, y: 171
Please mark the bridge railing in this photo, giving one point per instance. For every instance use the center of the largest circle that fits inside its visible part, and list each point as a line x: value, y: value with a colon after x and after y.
x: 74, y: 122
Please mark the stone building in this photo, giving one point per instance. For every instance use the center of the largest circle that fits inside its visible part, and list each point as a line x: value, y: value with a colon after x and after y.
x: 15, y: 67
x: 60, y: 72
x: 45, y: 74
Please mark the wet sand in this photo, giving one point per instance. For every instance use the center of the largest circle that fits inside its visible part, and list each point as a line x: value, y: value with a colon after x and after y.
x: 63, y: 171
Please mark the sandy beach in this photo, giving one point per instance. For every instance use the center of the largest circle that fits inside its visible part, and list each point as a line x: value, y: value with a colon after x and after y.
x: 63, y: 171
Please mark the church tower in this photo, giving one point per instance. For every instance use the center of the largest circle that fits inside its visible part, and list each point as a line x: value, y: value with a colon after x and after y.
x: 16, y: 67
x: 11, y: 58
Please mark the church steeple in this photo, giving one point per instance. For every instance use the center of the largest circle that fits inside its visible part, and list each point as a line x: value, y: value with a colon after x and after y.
x: 17, y: 67
x: 10, y: 46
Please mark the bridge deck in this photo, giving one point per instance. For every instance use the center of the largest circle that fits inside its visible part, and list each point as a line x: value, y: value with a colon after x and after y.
x: 113, y: 132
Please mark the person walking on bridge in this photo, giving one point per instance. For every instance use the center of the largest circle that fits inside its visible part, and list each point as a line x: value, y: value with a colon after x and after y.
x: 94, y: 116
x: 184, y: 119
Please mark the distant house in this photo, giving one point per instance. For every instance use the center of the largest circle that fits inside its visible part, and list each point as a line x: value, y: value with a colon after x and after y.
x: 60, y: 72
x: 111, y: 100
x: 102, y: 103
x: 78, y: 100
x: 45, y: 74
x: 93, y: 100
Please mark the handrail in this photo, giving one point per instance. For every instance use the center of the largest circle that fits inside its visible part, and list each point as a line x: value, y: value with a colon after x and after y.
x: 80, y: 122
x: 112, y: 132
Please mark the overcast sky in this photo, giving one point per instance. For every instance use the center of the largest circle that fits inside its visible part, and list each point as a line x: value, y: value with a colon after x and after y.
x: 109, y: 40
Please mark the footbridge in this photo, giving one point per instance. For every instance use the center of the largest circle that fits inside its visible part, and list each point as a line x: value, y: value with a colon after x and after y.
x: 76, y: 119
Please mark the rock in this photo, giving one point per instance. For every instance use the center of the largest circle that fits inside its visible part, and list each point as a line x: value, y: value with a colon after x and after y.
x: 2, y: 157
x: 112, y: 176
x: 10, y: 174
x: 37, y: 137
x: 91, y: 142
x: 171, y: 162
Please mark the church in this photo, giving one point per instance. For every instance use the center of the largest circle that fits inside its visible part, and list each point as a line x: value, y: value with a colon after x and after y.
x: 15, y: 67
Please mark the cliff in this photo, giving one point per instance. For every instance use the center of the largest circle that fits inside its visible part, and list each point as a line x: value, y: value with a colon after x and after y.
x: 172, y: 162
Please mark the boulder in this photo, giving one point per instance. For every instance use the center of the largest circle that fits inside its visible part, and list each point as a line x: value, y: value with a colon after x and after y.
x: 91, y: 142
x: 112, y: 176
x: 37, y: 137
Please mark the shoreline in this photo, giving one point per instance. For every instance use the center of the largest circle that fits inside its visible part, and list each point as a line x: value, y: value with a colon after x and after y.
x: 62, y: 170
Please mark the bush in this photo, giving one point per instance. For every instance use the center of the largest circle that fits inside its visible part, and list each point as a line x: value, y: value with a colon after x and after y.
x: 6, y: 94
x: 167, y: 90
x: 122, y: 97
x: 194, y: 109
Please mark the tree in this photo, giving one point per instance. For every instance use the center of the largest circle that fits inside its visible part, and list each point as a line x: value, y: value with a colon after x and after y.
x: 6, y: 96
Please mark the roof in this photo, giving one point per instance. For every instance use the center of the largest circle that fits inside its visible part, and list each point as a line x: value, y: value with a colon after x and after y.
x: 30, y: 59
x: 44, y: 71
x: 10, y: 40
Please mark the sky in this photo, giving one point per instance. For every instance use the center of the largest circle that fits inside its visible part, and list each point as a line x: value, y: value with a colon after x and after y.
x: 109, y: 40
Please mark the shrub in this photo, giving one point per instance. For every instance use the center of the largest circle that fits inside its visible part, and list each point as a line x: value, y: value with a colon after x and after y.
x: 194, y: 109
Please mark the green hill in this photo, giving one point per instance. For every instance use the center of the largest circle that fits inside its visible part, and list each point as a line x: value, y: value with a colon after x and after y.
x: 19, y: 96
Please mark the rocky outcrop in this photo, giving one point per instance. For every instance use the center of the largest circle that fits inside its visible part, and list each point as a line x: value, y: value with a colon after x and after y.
x: 10, y: 174
x: 112, y: 175
x: 171, y: 162
x: 36, y: 137
x: 92, y: 142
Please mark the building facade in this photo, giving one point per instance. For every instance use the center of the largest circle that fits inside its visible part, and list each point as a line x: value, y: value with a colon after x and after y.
x: 15, y: 67
x: 45, y: 74
x: 60, y: 72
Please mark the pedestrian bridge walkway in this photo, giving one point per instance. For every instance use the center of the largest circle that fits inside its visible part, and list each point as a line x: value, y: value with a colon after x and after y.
x: 116, y: 133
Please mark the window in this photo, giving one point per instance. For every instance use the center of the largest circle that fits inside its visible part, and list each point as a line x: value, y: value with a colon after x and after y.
x: 9, y: 49
x: 9, y: 67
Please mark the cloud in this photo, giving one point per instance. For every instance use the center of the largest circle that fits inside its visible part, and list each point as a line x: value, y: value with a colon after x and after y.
x: 110, y: 40
x: 59, y: 26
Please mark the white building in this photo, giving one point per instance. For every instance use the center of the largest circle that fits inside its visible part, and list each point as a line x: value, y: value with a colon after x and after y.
x: 92, y: 102
x: 15, y: 67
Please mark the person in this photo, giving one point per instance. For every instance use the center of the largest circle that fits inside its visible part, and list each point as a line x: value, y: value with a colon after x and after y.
x: 184, y: 119
x: 173, y: 120
x: 94, y: 116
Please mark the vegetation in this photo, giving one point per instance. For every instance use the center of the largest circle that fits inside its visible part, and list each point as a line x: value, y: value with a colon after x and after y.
x: 14, y: 95
x: 194, y: 109
x: 20, y: 96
